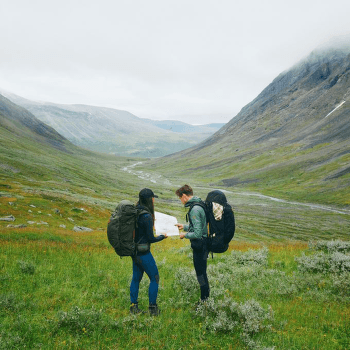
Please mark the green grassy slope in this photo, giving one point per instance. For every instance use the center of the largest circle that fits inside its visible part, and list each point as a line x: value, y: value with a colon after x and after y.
x: 61, y: 289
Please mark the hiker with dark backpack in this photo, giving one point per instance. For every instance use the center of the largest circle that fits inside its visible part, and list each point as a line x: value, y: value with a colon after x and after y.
x: 197, y: 233
x: 130, y: 233
x: 143, y: 261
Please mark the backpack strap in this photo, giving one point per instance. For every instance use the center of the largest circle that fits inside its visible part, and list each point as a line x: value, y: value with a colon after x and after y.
x: 201, y: 204
x: 138, y: 214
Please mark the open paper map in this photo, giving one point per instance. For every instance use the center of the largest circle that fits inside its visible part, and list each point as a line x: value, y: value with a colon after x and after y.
x: 165, y: 224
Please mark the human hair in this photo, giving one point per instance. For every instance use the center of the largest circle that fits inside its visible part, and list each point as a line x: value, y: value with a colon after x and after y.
x: 185, y: 189
x: 148, y: 203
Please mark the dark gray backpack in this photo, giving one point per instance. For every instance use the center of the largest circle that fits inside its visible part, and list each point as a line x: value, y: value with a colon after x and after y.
x: 221, y: 231
x: 121, y: 228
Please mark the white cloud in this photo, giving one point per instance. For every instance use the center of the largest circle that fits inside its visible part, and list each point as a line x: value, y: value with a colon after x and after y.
x: 159, y: 58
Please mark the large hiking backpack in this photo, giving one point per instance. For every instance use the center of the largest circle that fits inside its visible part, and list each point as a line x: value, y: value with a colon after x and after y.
x: 221, y: 221
x: 121, y: 228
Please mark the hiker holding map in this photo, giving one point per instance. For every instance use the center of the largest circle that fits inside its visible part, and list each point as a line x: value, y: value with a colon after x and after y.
x: 197, y: 233
x: 144, y: 261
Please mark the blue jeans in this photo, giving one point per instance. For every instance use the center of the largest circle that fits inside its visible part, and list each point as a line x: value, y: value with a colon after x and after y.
x: 141, y: 264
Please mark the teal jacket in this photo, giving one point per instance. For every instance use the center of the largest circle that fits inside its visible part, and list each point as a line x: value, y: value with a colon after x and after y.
x: 198, y: 228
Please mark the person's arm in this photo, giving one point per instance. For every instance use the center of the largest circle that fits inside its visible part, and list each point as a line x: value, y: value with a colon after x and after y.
x: 146, y: 224
x: 182, y: 227
x: 198, y: 220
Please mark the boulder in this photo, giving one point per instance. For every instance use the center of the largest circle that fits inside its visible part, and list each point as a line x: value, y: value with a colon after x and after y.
x: 17, y: 226
x: 8, y: 218
x: 82, y: 229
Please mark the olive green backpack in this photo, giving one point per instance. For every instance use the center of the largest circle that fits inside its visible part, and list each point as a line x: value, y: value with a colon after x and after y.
x: 121, y: 228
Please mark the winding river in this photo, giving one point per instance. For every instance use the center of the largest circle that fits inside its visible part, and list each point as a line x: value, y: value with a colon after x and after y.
x: 156, y: 178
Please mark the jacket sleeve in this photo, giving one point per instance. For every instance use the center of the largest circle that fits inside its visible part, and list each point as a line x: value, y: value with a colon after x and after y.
x: 146, y: 225
x: 198, y: 220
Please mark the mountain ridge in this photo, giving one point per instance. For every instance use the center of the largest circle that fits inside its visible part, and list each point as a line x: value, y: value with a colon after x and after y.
x: 115, y: 131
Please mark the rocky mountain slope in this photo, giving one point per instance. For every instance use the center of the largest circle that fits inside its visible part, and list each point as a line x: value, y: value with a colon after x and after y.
x: 307, y: 104
x: 294, y: 136
x: 114, y: 131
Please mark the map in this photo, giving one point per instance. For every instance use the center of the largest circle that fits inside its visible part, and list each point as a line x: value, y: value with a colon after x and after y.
x: 165, y: 224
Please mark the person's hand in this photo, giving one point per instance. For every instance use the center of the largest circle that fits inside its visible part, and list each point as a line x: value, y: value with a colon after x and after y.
x: 182, y: 236
x: 180, y: 226
x: 165, y: 235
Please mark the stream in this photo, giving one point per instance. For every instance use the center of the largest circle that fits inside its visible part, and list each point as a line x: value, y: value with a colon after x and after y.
x: 159, y: 179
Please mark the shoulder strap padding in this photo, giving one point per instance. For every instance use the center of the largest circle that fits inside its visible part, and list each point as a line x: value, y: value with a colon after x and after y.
x: 200, y: 204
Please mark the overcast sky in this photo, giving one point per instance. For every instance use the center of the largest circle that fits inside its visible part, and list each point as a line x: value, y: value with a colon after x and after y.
x: 197, y: 61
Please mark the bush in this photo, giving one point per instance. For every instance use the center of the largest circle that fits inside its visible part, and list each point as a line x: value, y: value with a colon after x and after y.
x: 26, y: 267
x: 187, y: 280
x: 324, y: 263
x: 339, y: 262
x: 330, y: 246
x: 341, y: 284
x: 11, y: 341
x: 251, y: 257
x: 80, y: 320
x: 248, y: 318
x: 316, y: 263
x: 8, y: 301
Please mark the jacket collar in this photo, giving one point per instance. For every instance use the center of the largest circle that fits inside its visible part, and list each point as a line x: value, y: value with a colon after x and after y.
x: 194, y: 199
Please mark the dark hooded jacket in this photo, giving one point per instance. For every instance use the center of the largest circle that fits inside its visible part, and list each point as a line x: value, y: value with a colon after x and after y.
x: 144, y: 230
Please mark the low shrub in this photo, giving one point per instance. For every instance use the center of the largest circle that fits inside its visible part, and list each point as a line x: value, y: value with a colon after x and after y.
x: 251, y: 257
x: 341, y: 284
x: 226, y: 315
x: 11, y: 340
x: 187, y: 281
x: 324, y: 263
x: 26, y: 267
x: 79, y: 320
x: 330, y: 246
x: 8, y: 301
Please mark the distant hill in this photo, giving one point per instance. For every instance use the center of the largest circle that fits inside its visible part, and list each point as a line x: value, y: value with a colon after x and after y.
x: 294, y: 137
x: 21, y: 123
x: 41, y: 166
x: 32, y: 150
x: 114, y: 131
x: 177, y: 126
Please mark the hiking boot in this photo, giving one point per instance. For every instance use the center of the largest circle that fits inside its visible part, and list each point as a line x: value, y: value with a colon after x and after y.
x: 134, y: 309
x: 154, y: 310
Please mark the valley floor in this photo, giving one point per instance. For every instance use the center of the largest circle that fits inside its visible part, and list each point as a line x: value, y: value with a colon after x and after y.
x: 283, y: 284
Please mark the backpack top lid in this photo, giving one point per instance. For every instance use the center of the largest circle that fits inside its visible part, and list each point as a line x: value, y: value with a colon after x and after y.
x: 216, y: 196
x: 124, y: 203
x: 125, y: 207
